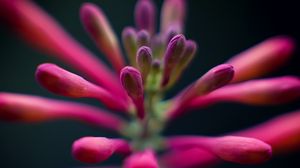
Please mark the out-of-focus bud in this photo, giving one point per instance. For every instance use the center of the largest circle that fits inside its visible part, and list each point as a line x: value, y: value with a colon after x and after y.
x: 158, y: 46
x: 143, y: 38
x: 230, y: 148
x: 262, y: 58
x: 129, y: 38
x: 145, y: 159
x: 144, y: 61
x: 173, y: 13
x: 97, y: 25
x: 132, y: 82
x: 145, y: 14
x: 173, y: 53
x: 98, y: 149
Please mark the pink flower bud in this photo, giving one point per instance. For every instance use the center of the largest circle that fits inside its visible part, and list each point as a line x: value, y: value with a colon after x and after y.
x: 129, y: 38
x: 262, y: 58
x: 145, y: 14
x: 65, y: 83
x: 143, y: 38
x: 98, y: 149
x: 145, y: 159
x: 132, y: 82
x: 25, y: 108
x: 100, y: 30
x: 256, y: 92
x: 229, y: 148
x: 173, y: 53
x: 173, y: 13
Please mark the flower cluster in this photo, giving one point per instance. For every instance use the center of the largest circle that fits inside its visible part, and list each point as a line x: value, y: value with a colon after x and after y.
x: 157, y: 61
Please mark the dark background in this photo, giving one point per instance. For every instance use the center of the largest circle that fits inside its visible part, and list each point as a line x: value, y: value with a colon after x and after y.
x: 221, y: 28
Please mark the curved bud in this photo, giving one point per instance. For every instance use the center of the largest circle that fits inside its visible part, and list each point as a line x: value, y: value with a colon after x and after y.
x: 230, y: 148
x: 262, y: 58
x: 173, y: 53
x: 129, y: 38
x: 173, y: 13
x: 145, y: 14
x: 98, y: 149
x: 62, y: 82
x: 144, y: 61
x: 98, y: 27
x: 131, y: 80
x: 26, y: 108
x: 145, y: 159
x: 143, y: 38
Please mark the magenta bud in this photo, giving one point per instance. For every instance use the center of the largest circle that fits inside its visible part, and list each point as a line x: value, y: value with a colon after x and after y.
x: 144, y: 61
x: 98, y: 149
x: 97, y: 25
x: 173, y: 53
x: 172, y: 32
x: 131, y: 80
x: 145, y: 159
x: 145, y: 13
x: 143, y: 38
x: 129, y: 38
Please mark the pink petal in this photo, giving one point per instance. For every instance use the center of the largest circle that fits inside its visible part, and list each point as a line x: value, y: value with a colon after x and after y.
x: 262, y: 58
x: 98, y: 149
x: 65, y: 83
x: 145, y: 159
x: 42, y: 31
x: 26, y: 108
x: 97, y: 25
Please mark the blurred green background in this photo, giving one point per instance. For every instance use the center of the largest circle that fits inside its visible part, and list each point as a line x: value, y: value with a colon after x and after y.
x: 221, y: 28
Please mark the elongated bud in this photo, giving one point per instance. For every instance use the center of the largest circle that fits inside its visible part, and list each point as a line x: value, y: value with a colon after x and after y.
x: 62, y: 82
x: 98, y: 27
x: 172, y: 55
x: 143, y: 38
x: 262, y: 58
x: 145, y: 159
x: 145, y: 14
x: 230, y: 148
x: 173, y: 13
x: 187, y: 56
x: 212, y: 80
x: 131, y: 80
x: 129, y: 38
x: 27, y: 108
x: 144, y: 61
x: 98, y: 149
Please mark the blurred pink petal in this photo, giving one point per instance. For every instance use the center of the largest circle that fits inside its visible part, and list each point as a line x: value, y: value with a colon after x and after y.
x: 144, y: 159
x: 229, y: 148
x: 98, y: 149
x: 262, y: 58
x: 97, y: 25
x: 188, y: 158
x: 42, y: 31
x: 65, y: 83
x: 256, y: 92
x: 282, y: 133
x: 27, y: 108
